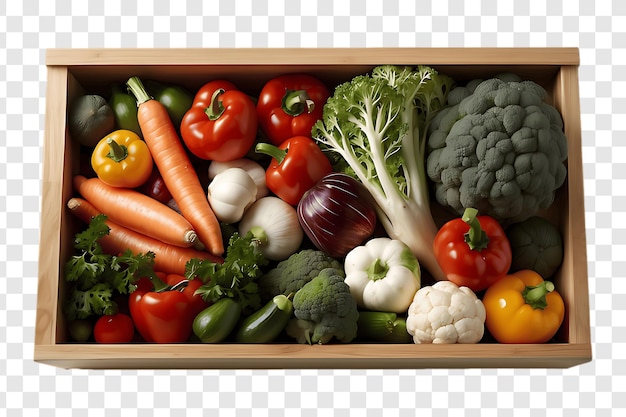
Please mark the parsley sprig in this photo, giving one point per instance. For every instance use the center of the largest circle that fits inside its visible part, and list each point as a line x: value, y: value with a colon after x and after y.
x: 97, y: 277
x: 236, y: 276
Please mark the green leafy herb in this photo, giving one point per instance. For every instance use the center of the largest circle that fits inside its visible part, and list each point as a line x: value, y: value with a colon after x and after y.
x: 128, y: 267
x: 96, y: 277
x: 97, y: 300
x: 236, y: 276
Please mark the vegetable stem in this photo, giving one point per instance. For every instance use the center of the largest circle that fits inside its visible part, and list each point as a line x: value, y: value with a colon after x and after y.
x: 282, y: 302
x: 377, y: 270
x: 117, y: 152
x: 296, y: 102
x: 216, y: 109
x: 535, y: 296
x: 271, y: 150
x: 139, y: 91
x: 159, y: 285
x: 476, y: 237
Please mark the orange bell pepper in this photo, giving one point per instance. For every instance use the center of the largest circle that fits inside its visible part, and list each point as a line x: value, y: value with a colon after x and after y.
x: 523, y: 308
x: 122, y: 159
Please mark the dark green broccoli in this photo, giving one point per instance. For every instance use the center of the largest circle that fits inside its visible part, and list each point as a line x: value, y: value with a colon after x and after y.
x: 497, y: 147
x: 292, y: 273
x: 324, y: 309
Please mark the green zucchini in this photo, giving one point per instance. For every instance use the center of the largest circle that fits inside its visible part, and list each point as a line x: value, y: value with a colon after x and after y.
x: 383, y: 327
x: 265, y: 324
x: 216, y: 322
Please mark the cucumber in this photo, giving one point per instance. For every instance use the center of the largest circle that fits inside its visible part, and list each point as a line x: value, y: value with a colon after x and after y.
x: 216, y: 322
x: 383, y: 327
x: 265, y: 324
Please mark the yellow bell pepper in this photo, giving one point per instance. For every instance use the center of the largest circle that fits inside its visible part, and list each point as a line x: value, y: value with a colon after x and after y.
x: 523, y: 308
x: 122, y: 159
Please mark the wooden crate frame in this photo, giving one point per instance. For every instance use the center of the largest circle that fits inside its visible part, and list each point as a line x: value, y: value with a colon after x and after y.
x: 72, y: 72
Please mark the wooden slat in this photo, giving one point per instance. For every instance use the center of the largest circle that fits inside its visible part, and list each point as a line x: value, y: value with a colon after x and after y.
x: 340, y: 356
x: 568, y: 101
x: 52, y: 206
x: 321, y: 56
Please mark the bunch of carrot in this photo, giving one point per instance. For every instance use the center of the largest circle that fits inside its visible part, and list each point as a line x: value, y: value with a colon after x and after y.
x: 141, y: 223
x: 167, y: 258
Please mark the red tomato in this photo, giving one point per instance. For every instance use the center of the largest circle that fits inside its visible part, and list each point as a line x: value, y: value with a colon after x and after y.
x: 116, y: 328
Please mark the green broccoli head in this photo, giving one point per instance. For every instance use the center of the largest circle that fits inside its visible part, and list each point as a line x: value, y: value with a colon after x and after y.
x: 291, y: 274
x: 497, y: 147
x: 324, y: 309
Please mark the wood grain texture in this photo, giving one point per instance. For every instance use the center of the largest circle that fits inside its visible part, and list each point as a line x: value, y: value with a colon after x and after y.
x: 52, y: 206
x: 575, y: 288
x: 340, y: 356
x: 74, y: 71
x: 308, y: 56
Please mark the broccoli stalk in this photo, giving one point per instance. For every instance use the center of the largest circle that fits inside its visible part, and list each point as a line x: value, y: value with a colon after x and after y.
x: 377, y: 124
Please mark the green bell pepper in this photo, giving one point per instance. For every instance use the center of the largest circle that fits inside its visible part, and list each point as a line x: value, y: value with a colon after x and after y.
x: 176, y: 99
x: 124, y: 108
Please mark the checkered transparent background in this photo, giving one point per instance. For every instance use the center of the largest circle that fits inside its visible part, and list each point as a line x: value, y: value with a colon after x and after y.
x: 598, y: 28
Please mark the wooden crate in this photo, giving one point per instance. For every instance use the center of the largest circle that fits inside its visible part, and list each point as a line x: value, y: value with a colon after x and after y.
x: 77, y: 71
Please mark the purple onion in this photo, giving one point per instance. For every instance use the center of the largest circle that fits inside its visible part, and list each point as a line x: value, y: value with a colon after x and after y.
x: 337, y: 214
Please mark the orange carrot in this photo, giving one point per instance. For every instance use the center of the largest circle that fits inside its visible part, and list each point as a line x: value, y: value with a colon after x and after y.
x: 137, y: 211
x: 169, y: 259
x: 175, y: 167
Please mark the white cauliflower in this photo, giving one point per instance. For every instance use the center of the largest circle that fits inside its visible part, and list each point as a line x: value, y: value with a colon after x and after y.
x: 446, y: 313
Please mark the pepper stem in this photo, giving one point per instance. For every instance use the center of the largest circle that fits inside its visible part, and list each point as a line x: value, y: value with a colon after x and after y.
x: 117, y: 152
x: 377, y: 270
x: 296, y: 102
x: 535, y: 296
x: 216, y: 109
x: 158, y: 284
x: 271, y: 150
x: 138, y: 90
x: 476, y: 238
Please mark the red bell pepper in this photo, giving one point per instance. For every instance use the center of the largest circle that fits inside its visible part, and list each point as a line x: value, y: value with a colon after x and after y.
x: 473, y: 251
x: 221, y: 124
x: 189, y: 288
x: 164, y: 313
x: 289, y: 105
x: 296, y: 166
